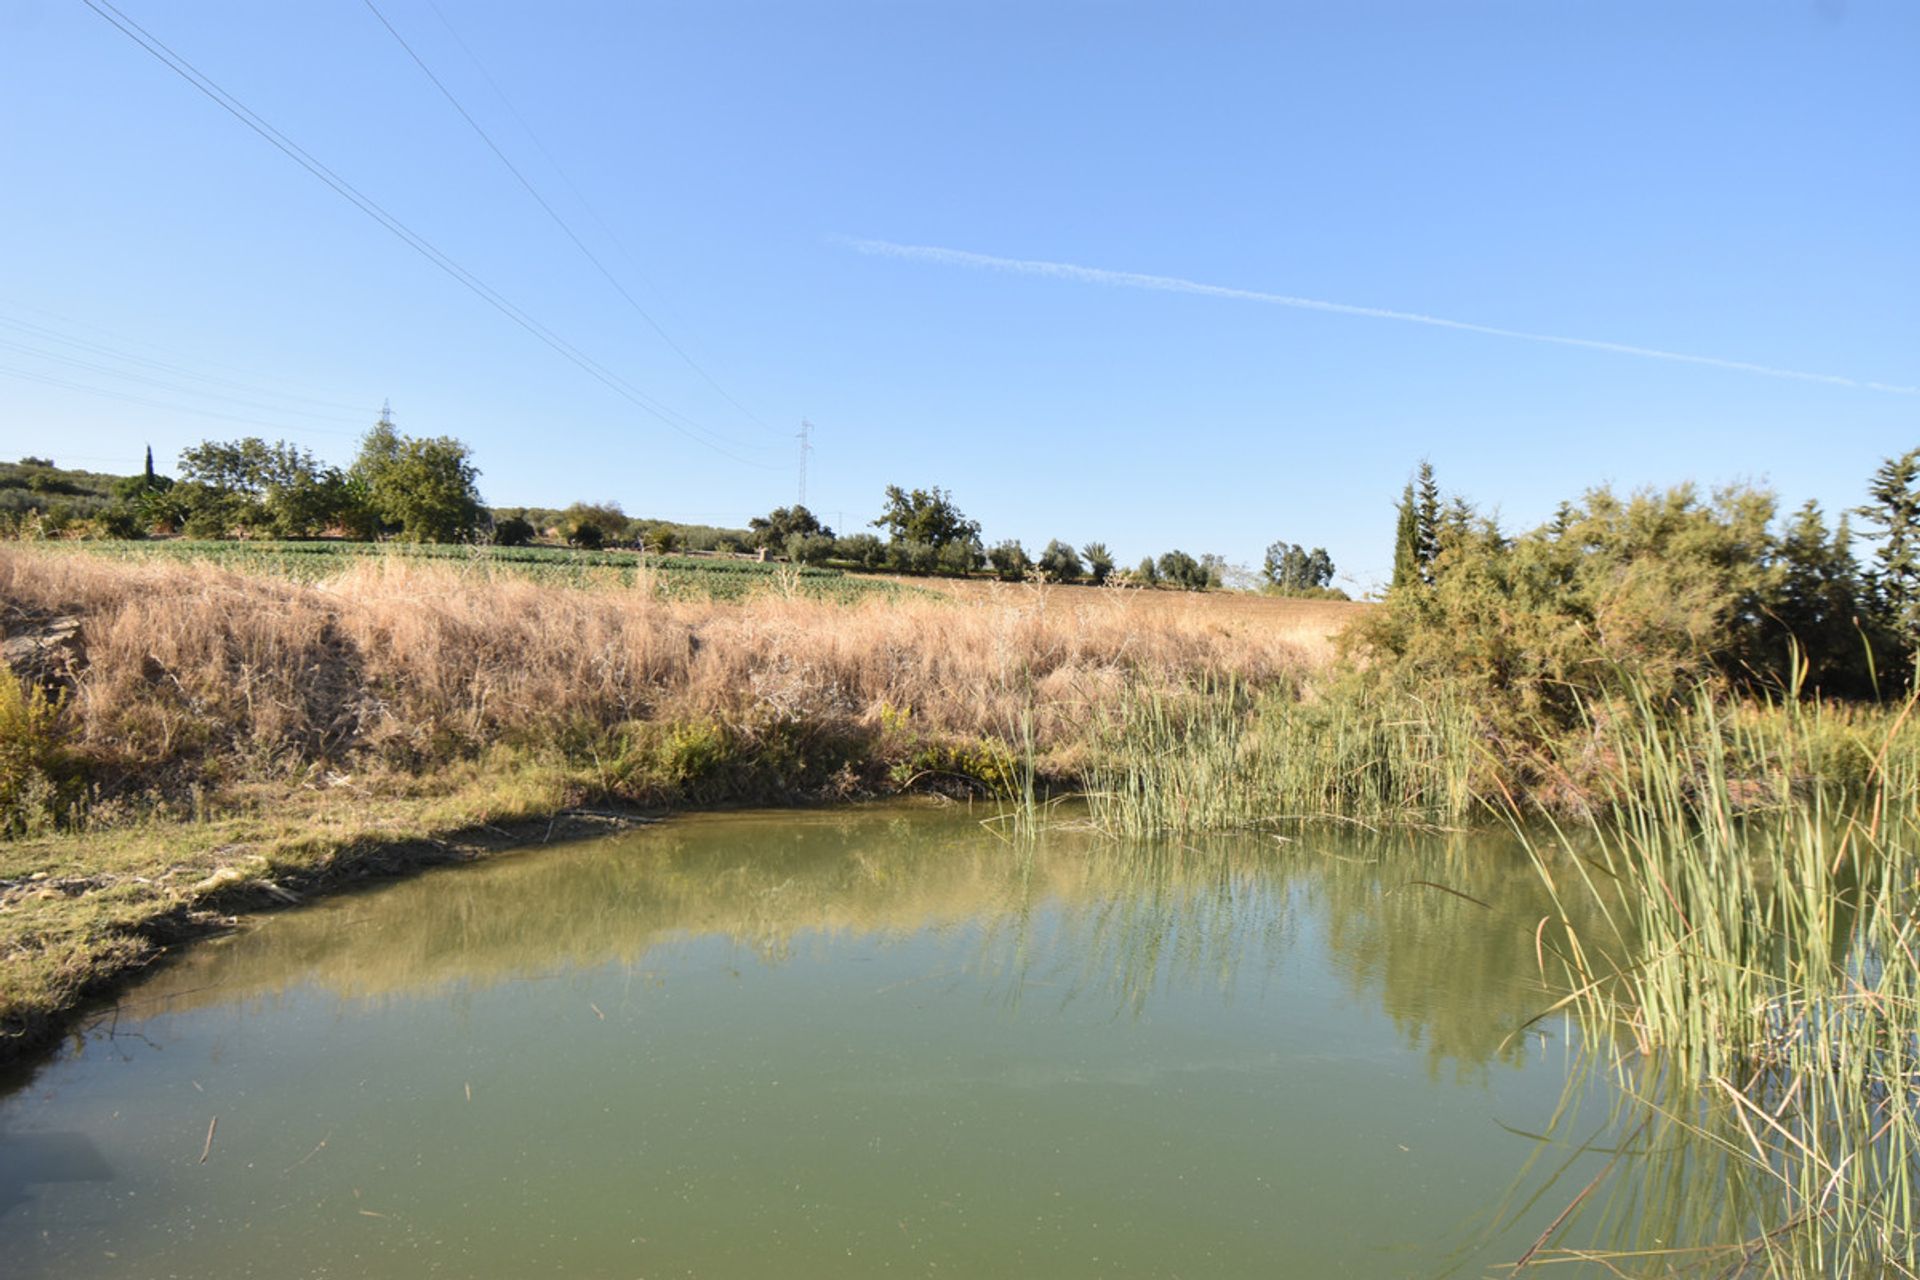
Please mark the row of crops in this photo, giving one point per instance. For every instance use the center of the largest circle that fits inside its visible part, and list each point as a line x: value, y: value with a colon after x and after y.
x: 673, y: 577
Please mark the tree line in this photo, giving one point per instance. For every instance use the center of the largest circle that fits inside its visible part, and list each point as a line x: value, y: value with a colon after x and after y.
x: 419, y: 489
x: 927, y: 533
x: 424, y: 489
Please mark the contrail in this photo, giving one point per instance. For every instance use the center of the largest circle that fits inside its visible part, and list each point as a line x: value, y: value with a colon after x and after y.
x: 1173, y: 284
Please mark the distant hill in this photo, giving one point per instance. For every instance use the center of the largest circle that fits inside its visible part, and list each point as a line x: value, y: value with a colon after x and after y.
x: 36, y: 484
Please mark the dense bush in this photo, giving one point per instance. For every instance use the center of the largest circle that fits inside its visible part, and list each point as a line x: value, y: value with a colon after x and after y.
x: 862, y: 549
x: 1009, y: 560
x: 1645, y: 596
x: 36, y: 786
x: 1060, y: 562
x: 512, y: 532
x: 1183, y: 571
x: 809, y: 548
x: 960, y: 558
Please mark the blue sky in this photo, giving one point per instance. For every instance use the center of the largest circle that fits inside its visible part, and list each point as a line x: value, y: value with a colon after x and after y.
x: 1735, y: 181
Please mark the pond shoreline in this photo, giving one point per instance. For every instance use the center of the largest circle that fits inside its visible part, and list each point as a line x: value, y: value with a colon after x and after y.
x: 251, y: 880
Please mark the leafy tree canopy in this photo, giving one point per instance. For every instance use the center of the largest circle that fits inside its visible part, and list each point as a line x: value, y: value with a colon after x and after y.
x: 276, y: 490
x: 1291, y: 569
x: 1009, y: 560
x: 1186, y: 572
x: 925, y: 516
x: 1060, y: 562
x: 778, y: 526
x: 421, y: 488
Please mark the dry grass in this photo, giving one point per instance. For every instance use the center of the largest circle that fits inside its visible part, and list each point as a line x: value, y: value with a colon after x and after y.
x: 413, y: 664
x: 1311, y: 627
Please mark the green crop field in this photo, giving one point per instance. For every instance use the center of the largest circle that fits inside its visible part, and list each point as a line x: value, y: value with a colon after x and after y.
x: 673, y: 577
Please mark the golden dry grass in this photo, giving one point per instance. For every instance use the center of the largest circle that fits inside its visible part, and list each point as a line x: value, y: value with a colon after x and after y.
x: 415, y: 663
x: 1311, y: 627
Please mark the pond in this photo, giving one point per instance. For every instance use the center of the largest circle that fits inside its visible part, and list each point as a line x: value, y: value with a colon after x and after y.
x: 875, y: 1041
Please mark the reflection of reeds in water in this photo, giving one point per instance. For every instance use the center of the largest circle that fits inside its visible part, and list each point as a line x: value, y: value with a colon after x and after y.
x: 1764, y: 991
x: 1750, y: 957
x: 1654, y: 1184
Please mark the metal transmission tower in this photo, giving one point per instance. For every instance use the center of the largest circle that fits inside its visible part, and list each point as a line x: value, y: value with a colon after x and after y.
x: 806, y: 447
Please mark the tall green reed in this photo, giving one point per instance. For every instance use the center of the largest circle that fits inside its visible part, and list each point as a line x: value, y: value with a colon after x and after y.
x: 1756, y: 978
x: 1221, y: 757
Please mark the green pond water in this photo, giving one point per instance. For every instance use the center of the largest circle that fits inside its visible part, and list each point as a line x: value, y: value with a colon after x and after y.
x: 870, y: 1042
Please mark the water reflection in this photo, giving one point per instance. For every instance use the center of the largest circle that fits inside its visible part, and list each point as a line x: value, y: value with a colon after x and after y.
x: 1440, y: 932
x: 846, y: 1043
x: 33, y: 1159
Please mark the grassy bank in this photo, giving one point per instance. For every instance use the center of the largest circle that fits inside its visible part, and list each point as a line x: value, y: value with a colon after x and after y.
x: 80, y: 910
x: 184, y: 734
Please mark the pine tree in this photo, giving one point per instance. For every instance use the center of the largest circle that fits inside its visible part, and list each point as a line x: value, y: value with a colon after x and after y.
x: 1894, y: 510
x: 1818, y: 604
x: 1427, y: 525
x: 1406, y: 544
x: 1562, y: 520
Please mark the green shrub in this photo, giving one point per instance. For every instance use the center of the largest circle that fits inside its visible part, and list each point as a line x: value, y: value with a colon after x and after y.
x: 1060, y: 562
x: 982, y: 766
x: 863, y: 549
x: 960, y: 558
x: 37, y: 785
x: 809, y: 548
x: 1009, y: 560
x: 512, y: 532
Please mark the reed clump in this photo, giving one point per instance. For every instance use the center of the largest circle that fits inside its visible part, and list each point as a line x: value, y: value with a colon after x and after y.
x: 1225, y: 755
x: 1751, y: 966
x: 1219, y: 754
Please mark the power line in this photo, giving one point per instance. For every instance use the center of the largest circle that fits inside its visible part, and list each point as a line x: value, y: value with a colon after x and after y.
x: 548, y: 208
x: 419, y: 244
x: 100, y: 348
x: 541, y: 147
x: 170, y: 408
x: 88, y: 365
